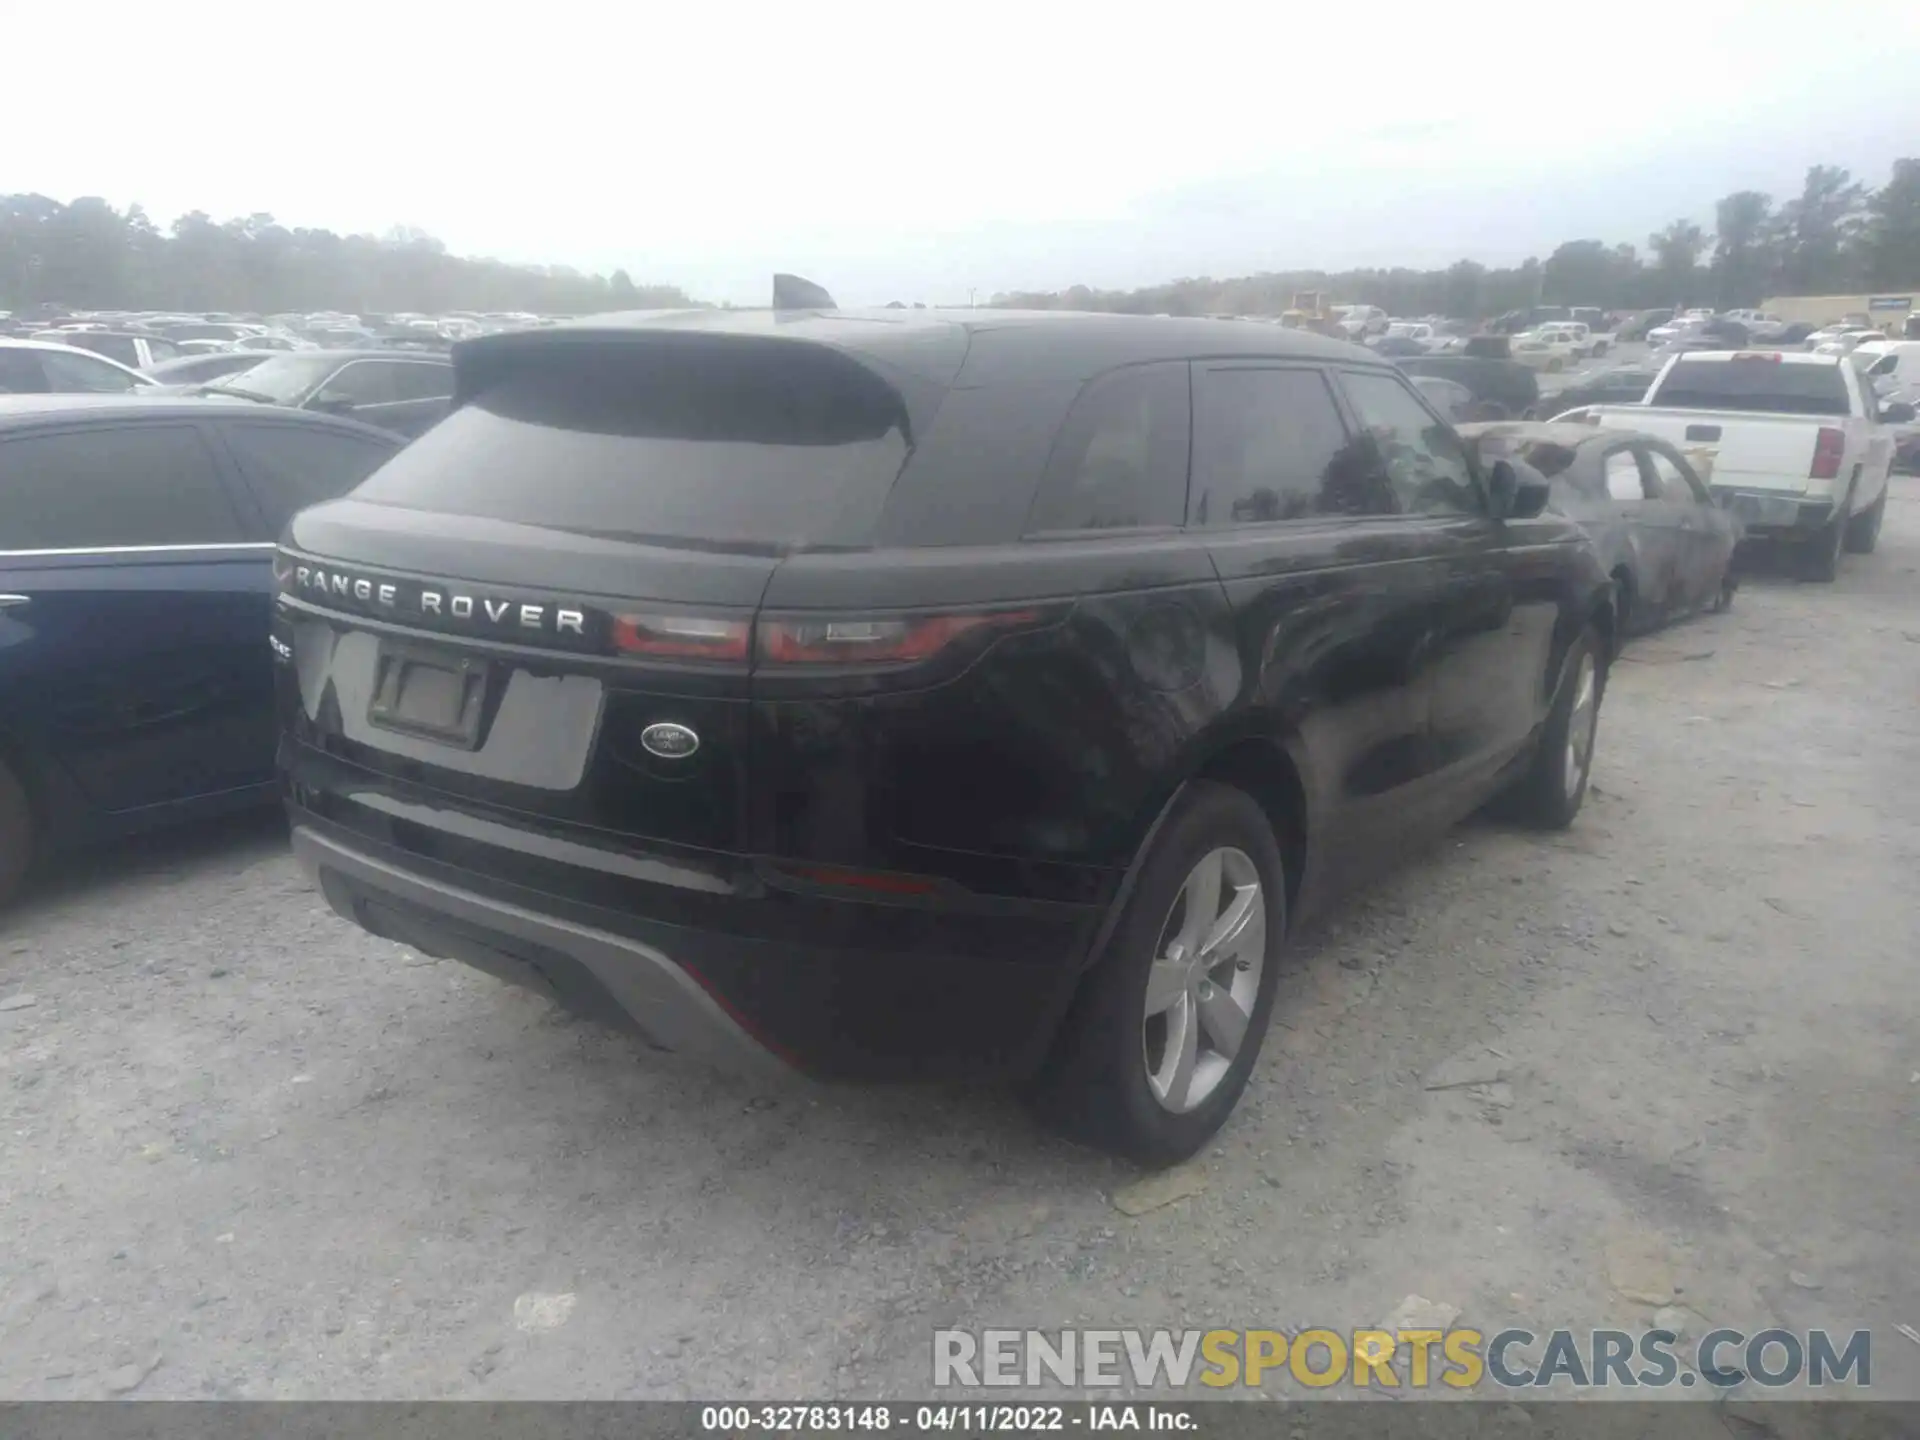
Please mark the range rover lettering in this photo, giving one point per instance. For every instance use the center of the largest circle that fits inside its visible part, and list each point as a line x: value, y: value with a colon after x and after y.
x: 430, y: 604
x: 914, y: 693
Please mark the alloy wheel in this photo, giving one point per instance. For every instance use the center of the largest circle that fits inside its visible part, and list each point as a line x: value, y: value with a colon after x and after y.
x: 1582, y: 720
x: 1204, y: 979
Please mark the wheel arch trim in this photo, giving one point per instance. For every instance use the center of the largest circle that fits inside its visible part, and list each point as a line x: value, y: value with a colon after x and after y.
x: 1205, y: 751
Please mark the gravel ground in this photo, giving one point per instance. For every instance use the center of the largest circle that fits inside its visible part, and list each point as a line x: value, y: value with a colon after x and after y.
x: 250, y: 1152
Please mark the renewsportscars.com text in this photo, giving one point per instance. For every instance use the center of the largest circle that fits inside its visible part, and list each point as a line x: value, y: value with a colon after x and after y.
x: 1460, y: 1359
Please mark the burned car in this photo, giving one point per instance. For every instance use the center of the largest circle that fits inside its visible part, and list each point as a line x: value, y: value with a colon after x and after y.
x: 1652, y: 520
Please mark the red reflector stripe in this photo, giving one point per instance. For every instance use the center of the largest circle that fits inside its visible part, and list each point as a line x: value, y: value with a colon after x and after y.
x: 1765, y: 357
x: 740, y: 1018
x: 865, y: 880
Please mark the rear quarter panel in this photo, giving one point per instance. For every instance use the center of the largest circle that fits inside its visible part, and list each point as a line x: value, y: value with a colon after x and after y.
x: 1028, y: 772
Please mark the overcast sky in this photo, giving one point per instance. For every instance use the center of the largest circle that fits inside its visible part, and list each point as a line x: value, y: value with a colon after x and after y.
x: 923, y: 152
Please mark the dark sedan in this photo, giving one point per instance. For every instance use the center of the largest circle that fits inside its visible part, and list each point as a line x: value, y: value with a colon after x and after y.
x: 136, y: 585
x: 1655, y: 526
x: 1502, y: 389
x: 190, y: 370
x: 399, y: 391
x: 1621, y: 385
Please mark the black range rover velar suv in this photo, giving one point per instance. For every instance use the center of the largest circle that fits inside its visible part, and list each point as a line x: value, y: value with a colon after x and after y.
x: 908, y: 693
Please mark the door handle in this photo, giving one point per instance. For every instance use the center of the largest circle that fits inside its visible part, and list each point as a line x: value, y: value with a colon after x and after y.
x: 14, y: 602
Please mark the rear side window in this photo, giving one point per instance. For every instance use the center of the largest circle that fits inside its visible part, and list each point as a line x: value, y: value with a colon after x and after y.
x: 370, y: 382
x: 20, y: 373
x: 114, y: 347
x: 729, y: 444
x: 1765, y: 386
x: 1269, y: 444
x: 422, y: 382
x: 127, y: 485
x: 1674, y: 480
x: 289, y: 467
x: 68, y: 373
x: 1622, y: 472
x: 1121, y: 458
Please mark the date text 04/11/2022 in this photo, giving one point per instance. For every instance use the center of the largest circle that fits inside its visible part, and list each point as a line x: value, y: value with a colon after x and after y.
x: 941, y: 1419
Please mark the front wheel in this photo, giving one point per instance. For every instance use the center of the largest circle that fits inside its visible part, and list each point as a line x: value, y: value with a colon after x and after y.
x: 1158, y: 1044
x: 1551, y: 791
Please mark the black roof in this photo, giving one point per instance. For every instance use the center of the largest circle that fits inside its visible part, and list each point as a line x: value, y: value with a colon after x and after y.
x: 993, y: 345
x: 17, y: 411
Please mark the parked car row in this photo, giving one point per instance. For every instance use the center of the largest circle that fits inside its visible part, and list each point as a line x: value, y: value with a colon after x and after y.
x: 1801, y: 445
x: 399, y: 391
x: 122, y: 333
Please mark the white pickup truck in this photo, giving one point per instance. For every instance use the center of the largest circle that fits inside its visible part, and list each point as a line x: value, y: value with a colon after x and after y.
x: 1800, y: 447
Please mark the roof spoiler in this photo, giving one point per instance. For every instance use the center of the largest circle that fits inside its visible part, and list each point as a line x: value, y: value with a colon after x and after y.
x: 790, y: 292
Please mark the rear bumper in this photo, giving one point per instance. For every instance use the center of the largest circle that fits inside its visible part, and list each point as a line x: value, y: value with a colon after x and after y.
x: 730, y: 970
x: 609, y: 977
x: 1771, y: 515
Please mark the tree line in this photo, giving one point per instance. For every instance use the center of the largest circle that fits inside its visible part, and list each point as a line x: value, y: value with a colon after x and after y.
x: 1836, y: 237
x: 88, y: 255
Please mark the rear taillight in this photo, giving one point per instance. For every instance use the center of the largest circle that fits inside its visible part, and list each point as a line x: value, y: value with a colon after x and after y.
x: 680, y: 637
x: 858, y: 641
x: 1828, y: 448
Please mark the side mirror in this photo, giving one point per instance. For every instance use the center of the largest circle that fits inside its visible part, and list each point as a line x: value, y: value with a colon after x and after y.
x: 1503, y: 483
x: 329, y: 402
x: 1898, y: 413
x: 1512, y: 497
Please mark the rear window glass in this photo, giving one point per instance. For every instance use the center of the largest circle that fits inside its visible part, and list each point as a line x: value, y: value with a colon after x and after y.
x: 1765, y: 386
x: 724, y: 445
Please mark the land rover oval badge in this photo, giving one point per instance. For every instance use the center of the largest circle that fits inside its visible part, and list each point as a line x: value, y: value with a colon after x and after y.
x: 669, y: 741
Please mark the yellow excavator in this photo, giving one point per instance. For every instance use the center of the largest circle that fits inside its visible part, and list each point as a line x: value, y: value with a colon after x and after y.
x: 1313, y: 310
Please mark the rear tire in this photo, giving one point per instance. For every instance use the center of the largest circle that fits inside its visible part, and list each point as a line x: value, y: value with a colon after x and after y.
x: 1551, y: 792
x: 1114, y: 1078
x: 1821, y: 562
x: 1863, y: 530
x: 1625, y: 616
x: 16, y: 834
